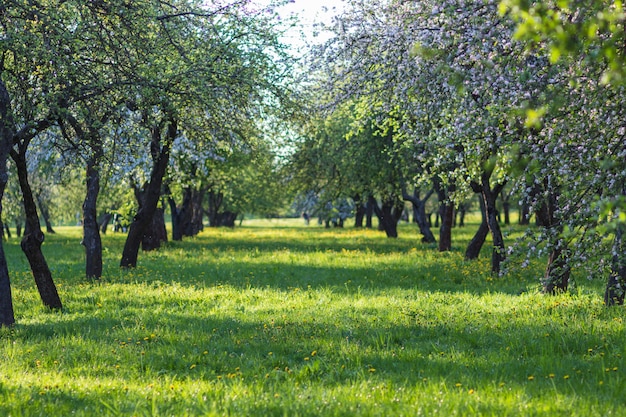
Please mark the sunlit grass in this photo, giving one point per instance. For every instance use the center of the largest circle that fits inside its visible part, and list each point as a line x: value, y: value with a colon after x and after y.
x: 294, y: 320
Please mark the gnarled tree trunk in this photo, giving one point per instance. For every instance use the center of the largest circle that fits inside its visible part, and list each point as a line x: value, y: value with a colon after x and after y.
x: 7, y: 317
x: 34, y: 237
x: 91, y: 232
x: 419, y: 214
x: 616, y: 285
x: 490, y: 195
x: 477, y: 242
x: 388, y: 214
x: 145, y: 215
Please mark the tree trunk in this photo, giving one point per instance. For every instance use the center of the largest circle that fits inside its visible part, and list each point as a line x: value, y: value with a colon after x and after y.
x: 194, y: 213
x: 388, y: 215
x: 156, y: 232
x: 177, y: 233
x: 446, y: 212
x: 556, y: 278
x: 7, y: 316
x: 419, y: 214
x: 462, y: 211
x: 369, y: 213
x: 91, y: 232
x: 359, y: 212
x: 145, y: 215
x: 34, y: 237
x: 45, y: 213
x: 616, y: 285
x: 477, y: 242
x: 104, y: 224
x: 215, y: 202
x: 524, y: 214
x: 490, y: 196
x: 506, y: 207
x: 445, y: 231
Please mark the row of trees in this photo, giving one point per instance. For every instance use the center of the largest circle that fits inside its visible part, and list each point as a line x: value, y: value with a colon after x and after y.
x: 445, y: 97
x: 125, y: 89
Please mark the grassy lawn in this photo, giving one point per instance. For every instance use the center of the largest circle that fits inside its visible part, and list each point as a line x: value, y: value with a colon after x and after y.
x: 275, y: 319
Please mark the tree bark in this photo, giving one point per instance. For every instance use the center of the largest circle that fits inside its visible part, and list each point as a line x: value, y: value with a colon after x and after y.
x: 104, y: 224
x: 91, y: 232
x: 616, y: 285
x: 45, y: 213
x: 446, y: 212
x: 359, y: 212
x: 369, y: 213
x: 388, y: 215
x: 556, y: 278
x: 156, y: 233
x: 419, y: 214
x: 145, y: 215
x: 7, y: 316
x: 34, y: 237
x: 490, y: 196
x: 477, y: 242
x: 445, y: 231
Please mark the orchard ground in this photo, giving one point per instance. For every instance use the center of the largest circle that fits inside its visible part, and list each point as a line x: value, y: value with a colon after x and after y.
x: 275, y: 318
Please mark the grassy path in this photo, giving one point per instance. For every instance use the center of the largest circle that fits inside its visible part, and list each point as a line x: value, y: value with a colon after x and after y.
x: 305, y: 321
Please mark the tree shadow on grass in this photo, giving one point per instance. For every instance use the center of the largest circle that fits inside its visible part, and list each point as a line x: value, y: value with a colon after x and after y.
x: 342, y: 349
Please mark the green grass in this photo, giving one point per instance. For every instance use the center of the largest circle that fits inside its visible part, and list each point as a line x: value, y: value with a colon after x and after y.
x: 276, y: 319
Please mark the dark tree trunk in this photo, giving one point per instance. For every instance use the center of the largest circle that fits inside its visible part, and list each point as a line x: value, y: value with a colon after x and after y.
x: 156, y: 232
x: 215, y: 203
x: 524, y: 214
x: 419, y: 214
x: 34, y: 237
x: 18, y: 228
x: 446, y: 212
x: 461, y: 212
x: 91, y: 232
x: 506, y: 207
x: 490, y: 196
x: 388, y: 214
x: 7, y: 228
x: 445, y: 231
x: 104, y: 224
x: 145, y: 215
x: 7, y: 317
x: 359, y: 212
x: 556, y: 278
x: 45, y: 213
x: 177, y: 232
x: 369, y: 213
x: 616, y: 285
x: 192, y: 225
x: 477, y: 242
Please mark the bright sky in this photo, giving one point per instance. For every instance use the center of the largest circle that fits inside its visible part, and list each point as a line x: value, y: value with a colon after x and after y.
x: 311, y: 11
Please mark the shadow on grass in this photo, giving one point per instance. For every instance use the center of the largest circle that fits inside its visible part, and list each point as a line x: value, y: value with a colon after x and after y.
x: 353, y: 345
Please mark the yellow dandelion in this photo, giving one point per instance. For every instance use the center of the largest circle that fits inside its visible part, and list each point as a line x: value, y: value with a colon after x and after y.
x: 566, y: 377
x: 458, y: 385
x: 192, y: 366
x: 531, y: 378
x: 471, y: 391
x: 551, y: 376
